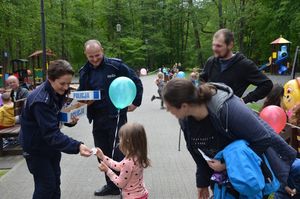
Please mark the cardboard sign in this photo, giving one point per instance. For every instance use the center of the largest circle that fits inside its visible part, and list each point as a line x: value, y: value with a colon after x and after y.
x: 86, y: 95
x: 77, y: 110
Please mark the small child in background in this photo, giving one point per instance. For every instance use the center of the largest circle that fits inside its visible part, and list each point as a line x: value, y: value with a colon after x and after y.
x: 133, y: 144
x: 196, y: 71
x: 274, y: 97
x: 194, y: 79
x: 159, y: 81
x: 7, y: 116
x: 2, y: 90
x: 295, y: 115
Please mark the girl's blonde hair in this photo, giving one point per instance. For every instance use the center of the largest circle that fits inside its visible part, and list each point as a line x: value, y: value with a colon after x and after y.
x: 160, y: 75
x: 133, y: 143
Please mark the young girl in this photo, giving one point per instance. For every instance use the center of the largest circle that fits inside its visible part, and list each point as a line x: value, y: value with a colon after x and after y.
x: 133, y: 144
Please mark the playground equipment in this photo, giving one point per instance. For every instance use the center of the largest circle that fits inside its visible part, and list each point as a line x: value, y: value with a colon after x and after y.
x: 295, y: 62
x: 18, y: 68
x: 36, y: 61
x: 21, y: 70
x: 278, y: 60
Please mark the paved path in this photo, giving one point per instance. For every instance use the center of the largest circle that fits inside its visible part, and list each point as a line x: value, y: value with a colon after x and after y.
x: 170, y: 177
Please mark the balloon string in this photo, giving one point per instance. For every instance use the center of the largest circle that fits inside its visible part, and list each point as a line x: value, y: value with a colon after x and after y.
x: 116, y: 134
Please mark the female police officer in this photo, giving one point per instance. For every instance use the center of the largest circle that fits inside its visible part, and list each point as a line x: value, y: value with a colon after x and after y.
x: 40, y: 135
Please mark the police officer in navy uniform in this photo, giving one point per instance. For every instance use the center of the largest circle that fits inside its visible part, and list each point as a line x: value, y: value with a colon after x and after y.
x: 97, y: 74
x: 40, y: 135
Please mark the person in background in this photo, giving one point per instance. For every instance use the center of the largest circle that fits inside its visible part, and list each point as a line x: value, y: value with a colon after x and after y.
x: 17, y: 92
x: 159, y: 81
x: 194, y: 79
x: 7, y: 117
x: 2, y: 90
x: 274, y: 97
x: 234, y: 69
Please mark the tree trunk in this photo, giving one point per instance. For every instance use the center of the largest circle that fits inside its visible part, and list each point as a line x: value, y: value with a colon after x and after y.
x: 62, y: 28
x: 220, y: 11
x: 241, y: 26
x: 197, y: 35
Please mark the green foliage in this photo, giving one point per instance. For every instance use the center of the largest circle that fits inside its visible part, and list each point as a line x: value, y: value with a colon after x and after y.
x: 153, y: 32
x: 3, y: 172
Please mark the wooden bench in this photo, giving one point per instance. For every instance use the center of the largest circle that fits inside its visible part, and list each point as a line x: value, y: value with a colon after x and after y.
x: 12, y: 132
x: 8, y: 133
x: 291, y: 134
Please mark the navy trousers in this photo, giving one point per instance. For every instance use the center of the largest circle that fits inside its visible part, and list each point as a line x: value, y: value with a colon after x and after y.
x: 46, y: 174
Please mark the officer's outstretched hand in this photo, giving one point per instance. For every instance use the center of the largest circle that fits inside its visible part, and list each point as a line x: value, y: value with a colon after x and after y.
x: 131, y: 108
x: 85, y: 151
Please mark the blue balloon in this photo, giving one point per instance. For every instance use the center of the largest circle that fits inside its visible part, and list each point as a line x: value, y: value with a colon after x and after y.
x: 180, y: 74
x: 122, y: 92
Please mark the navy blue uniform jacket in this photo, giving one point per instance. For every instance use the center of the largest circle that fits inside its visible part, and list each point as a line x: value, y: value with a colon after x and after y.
x: 108, y: 70
x: 40, y: 133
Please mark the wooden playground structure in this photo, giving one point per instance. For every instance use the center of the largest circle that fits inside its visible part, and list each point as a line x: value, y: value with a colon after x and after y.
x: 28, y: 71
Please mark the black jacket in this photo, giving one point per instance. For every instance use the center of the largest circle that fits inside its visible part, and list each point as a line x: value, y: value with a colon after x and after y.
x: 110, y: 69
x: 231, y: 118
x: 40, y: 133
x: 20, y: 94
x: 240, y: 73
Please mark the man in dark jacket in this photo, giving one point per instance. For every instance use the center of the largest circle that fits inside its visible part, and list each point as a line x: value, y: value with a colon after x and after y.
x: 97, y: 74
x: 234, y: 70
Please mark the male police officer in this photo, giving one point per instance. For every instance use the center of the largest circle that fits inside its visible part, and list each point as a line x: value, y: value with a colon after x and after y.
x: 97, y: 74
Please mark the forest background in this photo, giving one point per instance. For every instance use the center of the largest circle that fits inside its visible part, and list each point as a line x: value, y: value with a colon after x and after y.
x: 150, y: 32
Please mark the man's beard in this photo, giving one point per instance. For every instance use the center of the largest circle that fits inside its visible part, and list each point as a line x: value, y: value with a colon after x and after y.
x: 225, y: 55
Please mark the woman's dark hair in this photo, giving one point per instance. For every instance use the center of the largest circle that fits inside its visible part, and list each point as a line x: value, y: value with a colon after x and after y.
x: 178, y: 91
x: 274, y: 97
x: 58, y: 68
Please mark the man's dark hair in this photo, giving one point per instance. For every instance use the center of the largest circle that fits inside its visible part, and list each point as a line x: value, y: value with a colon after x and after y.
x: 228, y: 35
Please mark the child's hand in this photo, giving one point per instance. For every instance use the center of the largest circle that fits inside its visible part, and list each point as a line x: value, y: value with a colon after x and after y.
x: 103, y: 167
x: 99, y: 153
x: 216, y: 165
x: 290, y: 191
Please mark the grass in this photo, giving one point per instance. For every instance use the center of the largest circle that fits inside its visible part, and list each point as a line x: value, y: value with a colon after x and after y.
x: 254, y: 106
x: 3, y: 172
